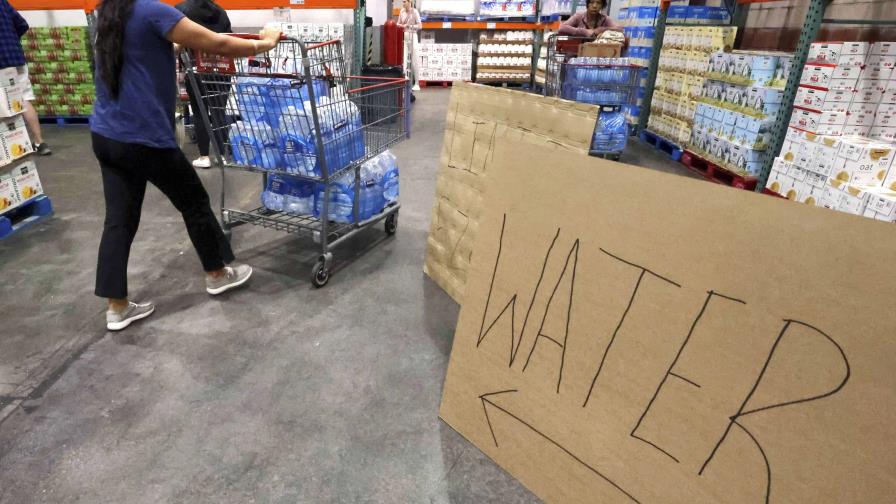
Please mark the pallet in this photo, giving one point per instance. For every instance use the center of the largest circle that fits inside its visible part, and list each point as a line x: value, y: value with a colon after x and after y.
x: 766, y: 190
x: 662, y: 144
x: 504, y: 83
x: 715, y: 173
x: 65, y: 120
x: 437, y: 83
x: 25, y: 215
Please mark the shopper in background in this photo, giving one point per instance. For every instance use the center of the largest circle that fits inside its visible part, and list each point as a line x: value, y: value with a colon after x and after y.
x: 12, y: 28
x: 590, y: 23
x: 409, y: 21
x: 214, y: 18
x: 134, y: 140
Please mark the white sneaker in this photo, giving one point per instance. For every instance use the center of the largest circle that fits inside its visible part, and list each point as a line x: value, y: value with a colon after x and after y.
x: 416, y: 87
x: 202, y: 162
x: 233, y: 277
x: 116, y: 321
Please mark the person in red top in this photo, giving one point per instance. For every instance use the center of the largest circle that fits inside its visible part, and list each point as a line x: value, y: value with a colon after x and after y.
x: 590, y: 23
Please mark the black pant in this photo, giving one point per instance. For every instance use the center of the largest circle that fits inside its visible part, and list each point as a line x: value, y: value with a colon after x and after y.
x: 216, y: 89
x: 126, y: 168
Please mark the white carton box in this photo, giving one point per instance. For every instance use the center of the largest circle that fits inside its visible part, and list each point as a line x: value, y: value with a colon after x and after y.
x: 887, y: 134
x: 11, y: 101
x: 862, y: 108
x: 14, y: 141
x: 825, y: 52
x: 8, y: 76
x: 831, y: 197
x: 847, y: 72
x: 886, y: 108
x: 817, y: 75
x: 855, y: 49
x: 810, y: 98
x: 844, y: 84
x: 889, y: 181
x: 884, y: 48
x: 857, y: 130
x: 885, y: 120
x: 863, y: 162
x: 881, y: 205
x: 26, y: 181
x: 811, y: 195
x: 860, y: 119
x: 9, y: 198
x: 876, y: 72
x: 881, y: 61
x: 868, y: 96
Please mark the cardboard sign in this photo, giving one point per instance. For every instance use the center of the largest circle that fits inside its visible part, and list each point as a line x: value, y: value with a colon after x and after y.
x: 629, y: 336
x: 478, y: 116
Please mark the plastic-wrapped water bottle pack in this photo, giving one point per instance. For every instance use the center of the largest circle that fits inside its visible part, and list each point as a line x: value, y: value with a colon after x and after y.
x: 378, y: 188
x: 277, y: 127
x: 611, y: 133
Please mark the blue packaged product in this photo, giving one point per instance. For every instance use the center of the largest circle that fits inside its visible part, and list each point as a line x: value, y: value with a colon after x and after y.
x: 254, y: 145
x: 288, y: 194
x: 677, y: 13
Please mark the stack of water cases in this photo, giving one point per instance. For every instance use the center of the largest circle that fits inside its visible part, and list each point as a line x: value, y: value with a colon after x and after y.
x: 276, y: 132
x: 599, y: 81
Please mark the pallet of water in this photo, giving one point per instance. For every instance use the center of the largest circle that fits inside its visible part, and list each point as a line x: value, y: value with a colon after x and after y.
x: 378, y: 189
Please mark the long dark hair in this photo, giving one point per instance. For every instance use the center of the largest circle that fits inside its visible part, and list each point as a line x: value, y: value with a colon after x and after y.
x: 112, y: 17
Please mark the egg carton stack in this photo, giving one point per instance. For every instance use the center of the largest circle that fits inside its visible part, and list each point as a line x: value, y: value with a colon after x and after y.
x: 20, y: 184
x: 683, y: 68
x: 59, y: 67
x: 740, y: 98
x: 445, y: 62
x: 505, y: 56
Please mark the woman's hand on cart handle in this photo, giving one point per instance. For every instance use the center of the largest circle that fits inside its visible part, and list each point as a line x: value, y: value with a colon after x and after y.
x: 194, y: 36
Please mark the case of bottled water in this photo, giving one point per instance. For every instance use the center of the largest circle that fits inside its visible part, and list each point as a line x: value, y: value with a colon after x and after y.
x: 378, y: 188
x: 610, y: 134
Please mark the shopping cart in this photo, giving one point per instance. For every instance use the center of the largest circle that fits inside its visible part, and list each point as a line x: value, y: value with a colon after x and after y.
x: 611, y: 83
x: 317, y: 135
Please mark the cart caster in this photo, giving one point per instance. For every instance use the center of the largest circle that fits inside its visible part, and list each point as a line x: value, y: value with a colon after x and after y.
x: 391, y: 224
x: 320, y: 274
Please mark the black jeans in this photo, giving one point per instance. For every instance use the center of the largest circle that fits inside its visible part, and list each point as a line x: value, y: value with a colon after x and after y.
x: 217, y: 89
x: 126, y: 168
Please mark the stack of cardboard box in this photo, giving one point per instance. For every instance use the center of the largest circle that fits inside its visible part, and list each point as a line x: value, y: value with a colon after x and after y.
x: 846, y: 173
x: 60, y: 70
x: 446, y: 62
x: 313, y: 32
x: 683, y: 66
x: 21, y: 183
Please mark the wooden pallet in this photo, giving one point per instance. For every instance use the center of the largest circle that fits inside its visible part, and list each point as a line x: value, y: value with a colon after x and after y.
x: 27, y: 214
x: 715, y: 173
x: 662, y: 144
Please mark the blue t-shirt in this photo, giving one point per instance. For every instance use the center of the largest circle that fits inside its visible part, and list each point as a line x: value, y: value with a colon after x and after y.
x: 144, y: 111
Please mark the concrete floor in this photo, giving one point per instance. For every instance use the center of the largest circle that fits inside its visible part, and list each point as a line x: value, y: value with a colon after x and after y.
x: 274, y: 393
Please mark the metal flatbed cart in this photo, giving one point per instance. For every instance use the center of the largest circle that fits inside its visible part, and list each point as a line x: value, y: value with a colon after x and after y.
x: 317, y: 135
x: 611, y: 83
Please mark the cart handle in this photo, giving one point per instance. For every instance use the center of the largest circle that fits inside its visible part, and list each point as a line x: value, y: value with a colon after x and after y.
x: 389, y: 81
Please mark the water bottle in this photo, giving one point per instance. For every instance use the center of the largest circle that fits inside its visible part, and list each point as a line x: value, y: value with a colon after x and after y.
x: 253, y: 98
x: 341, y: 199
x: 272, y: 200
x: 255, y: 144
x: 389, y: 179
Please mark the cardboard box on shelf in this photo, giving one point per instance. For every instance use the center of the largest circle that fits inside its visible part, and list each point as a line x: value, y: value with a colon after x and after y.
x: 847, y: 72
x: 887, y: 134
x: 887, y: 62
x: 884, y: 48
x: 876, y: 72
x: 868, y: 96
x: 856, y: 130
x: 853, y: 199
x: 889, y: 181
x: 885, y: 120
x: 860, y: 119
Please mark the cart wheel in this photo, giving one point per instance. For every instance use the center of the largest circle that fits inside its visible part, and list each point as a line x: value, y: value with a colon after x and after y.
x: 613, y: 157
x: 391, y: 224
x: 320, y: 274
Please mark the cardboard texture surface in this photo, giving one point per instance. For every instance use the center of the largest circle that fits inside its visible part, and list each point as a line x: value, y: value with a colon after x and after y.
x: 628, y: 336
x: 478, y: 116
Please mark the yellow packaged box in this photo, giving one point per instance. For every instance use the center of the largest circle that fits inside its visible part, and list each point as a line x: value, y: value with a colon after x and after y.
x: 26, y: 181
x: 9, y: 198
x: 14, y: 141
x: 11, y: 101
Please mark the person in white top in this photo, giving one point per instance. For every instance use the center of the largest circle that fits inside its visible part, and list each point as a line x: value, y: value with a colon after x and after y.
x: 409, y: 21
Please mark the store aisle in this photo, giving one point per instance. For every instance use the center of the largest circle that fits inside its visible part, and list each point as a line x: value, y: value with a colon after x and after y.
x: 274, y: 393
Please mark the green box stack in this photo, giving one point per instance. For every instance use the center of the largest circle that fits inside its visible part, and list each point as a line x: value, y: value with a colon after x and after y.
x: 60, y: 69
